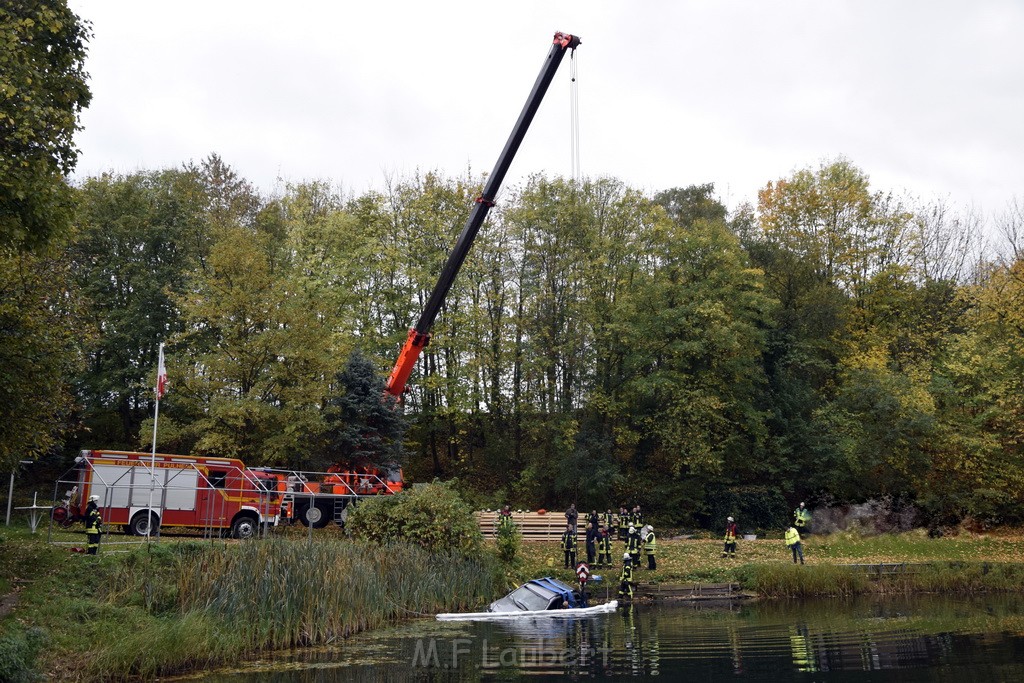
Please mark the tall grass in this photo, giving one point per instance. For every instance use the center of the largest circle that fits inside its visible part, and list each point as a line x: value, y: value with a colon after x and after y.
x: 213, y: 602
x: 835, y: 580
x: 794, y: 581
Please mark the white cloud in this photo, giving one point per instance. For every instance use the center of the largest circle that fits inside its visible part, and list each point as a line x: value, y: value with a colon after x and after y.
x: 922, y: 95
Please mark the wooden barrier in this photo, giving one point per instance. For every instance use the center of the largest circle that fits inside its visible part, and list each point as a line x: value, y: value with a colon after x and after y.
x: 532, y: 525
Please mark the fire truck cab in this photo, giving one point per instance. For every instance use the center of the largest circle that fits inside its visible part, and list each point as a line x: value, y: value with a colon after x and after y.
x: 142, y: 492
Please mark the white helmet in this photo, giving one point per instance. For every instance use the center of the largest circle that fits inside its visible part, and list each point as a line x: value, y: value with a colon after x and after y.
x: 728, y: 519
x: 94, y: 498
x: 626, y: 556
x: 632, y: 528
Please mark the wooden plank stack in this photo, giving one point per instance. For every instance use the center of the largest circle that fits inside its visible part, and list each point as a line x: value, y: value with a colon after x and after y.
x: 534, y: 526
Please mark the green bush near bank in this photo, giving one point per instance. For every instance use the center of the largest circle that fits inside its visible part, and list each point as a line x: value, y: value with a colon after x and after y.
x: 433, y: 516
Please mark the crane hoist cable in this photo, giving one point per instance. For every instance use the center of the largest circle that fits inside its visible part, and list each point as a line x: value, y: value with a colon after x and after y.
x: 574, y: 118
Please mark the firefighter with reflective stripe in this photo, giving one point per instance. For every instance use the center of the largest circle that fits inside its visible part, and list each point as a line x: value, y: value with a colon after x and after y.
x: 730, y: 538
x: 623, y: 523
x: 633, y: 544
x: 626, y: 578
x: 638, y: 517
x: 801, y: 517
x: 93, y: 525
x: 793, y: 543
x: 569, y: 546
x: 650, y: 546
x: 604, y: 547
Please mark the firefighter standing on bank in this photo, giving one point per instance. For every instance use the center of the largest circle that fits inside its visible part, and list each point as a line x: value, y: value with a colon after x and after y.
x: 729, y: 550
x: 608, y: 519
x: 633, y: 544
x: 793, y: 543
x: 650, y: 546
x: 569, y: 546
x: 801, y: 518
x: 591, y: 541
x: 604, y: 547
x: 93, y: 525
x: 626, y: 578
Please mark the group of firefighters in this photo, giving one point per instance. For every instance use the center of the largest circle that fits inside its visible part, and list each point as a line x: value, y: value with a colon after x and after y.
x: 628, y: 526
x: 800, y: 524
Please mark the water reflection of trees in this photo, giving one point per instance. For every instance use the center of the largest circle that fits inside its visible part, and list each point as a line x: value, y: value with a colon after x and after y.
x: 758, y: 640
x: 765, y: 641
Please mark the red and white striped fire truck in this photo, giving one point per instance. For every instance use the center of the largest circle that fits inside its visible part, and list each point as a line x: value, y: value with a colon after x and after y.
x: 143, y: 492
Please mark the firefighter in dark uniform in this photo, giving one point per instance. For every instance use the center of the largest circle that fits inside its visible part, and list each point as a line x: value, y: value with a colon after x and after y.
x: 93, y: 525
x: 591, y: 540
x: 729, y: 548
x: 604, y: 547
x: 623, y: 523
x: 569, y: 546
x: 633, y: 544
x: 607, y: 518
x: 626, y: 578
x: 638, y: 517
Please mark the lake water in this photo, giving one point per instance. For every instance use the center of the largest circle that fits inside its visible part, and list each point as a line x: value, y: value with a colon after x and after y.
x: 920, y: 638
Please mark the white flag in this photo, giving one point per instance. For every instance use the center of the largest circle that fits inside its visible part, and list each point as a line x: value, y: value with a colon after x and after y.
x: 161, y: 376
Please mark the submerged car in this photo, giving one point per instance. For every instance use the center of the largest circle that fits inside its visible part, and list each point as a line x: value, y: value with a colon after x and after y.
x: 538, y: 595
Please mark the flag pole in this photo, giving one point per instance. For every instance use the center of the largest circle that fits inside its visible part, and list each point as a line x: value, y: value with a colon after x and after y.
x: 158, y: 390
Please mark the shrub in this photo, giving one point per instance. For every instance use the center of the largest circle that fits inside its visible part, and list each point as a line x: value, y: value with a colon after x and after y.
x: 430, y: 515
x: 18, y: 654
x: 508, y: 543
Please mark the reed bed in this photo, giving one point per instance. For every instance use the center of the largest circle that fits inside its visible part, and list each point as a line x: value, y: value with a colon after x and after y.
x: 208, y: 603
x: 793, y: 581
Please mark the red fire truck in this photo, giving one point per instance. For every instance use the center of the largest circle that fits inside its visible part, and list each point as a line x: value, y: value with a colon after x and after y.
x: 142, y: 492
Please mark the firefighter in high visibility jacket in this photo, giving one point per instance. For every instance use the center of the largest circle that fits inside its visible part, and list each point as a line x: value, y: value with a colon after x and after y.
x: 626, y: 578
x: 93, y: 525
x: 801, y: 518
x: 729, y: 550
x: 633, y: 544
x: 650, y: 546
x: 604, y: 547
x: 623, y: 523
x: 569, y: 546
x: 793, y: 543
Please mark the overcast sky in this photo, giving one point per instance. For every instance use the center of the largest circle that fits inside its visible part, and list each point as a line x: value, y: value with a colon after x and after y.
x: 925, y: 96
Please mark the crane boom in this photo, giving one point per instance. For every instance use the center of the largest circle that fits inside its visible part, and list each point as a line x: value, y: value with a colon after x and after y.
x: 419, y: 336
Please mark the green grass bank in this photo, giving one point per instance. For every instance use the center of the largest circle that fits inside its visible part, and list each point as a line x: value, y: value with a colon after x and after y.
x: 182, y: 604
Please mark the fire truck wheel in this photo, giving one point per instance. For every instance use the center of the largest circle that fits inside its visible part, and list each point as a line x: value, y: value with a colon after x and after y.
x: 139, y: 525
x: 316, y: 516
x: 245, y: 526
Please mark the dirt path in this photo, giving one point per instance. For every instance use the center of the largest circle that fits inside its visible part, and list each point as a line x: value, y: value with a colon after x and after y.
x: 7, y: 604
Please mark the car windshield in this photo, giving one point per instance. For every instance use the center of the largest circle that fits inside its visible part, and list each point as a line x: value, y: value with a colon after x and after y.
x: 527, y: 599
